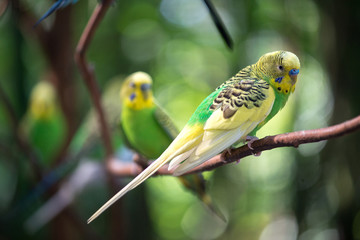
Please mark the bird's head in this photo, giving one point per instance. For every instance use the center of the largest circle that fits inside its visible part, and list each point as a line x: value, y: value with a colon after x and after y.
x: 43, y: 101
x: 280, y: 69
x: 136, y: 91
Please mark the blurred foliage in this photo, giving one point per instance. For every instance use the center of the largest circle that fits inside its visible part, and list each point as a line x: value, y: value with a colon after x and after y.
x: 311, y: 192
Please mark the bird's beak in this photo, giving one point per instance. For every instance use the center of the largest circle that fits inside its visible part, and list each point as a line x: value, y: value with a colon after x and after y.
x: 293, y: 73
x: 145, y: 90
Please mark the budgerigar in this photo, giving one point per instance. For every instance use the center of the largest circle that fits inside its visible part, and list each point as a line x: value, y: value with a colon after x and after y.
x: 86, y: 142
x: 148, y: 130
x: 44, y: 123
x: 57, y: 5
x: 236, y: 109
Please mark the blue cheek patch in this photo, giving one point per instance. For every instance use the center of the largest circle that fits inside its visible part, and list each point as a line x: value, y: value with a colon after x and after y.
x: 132, y: 96
x: 279, y: 79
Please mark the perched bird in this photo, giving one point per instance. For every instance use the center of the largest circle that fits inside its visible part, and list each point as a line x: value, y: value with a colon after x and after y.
x: 56, y: 6
x: 148, y: 130
x: 44, y: 123
x: 85, y: 145
x: 144, y: 125
x: 236, y: 109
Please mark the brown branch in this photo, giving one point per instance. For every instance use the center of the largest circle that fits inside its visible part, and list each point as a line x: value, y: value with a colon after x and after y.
x: 3, y: 6
x: 88, y: 72
x: 88, y: 75
x: 293, y: 139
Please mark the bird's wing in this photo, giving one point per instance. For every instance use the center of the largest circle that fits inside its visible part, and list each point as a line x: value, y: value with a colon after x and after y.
x: 197, y: 142
x: 238, y: 109
x: 165, y: 122
x: 125, y: 139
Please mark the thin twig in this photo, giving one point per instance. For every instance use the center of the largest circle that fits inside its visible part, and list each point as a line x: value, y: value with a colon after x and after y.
x: 21, y: 142
x: 219, y: 24
x: 293, y: 139
x: 88, y: 73
x: 89, y: 78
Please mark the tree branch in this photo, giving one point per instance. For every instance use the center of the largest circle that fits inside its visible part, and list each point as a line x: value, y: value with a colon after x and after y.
x: 117, y: 226
x: 87, y: 71
x: 292, y: 139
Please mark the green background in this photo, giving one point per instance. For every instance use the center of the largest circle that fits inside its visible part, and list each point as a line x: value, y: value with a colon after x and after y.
x: 311, y: 192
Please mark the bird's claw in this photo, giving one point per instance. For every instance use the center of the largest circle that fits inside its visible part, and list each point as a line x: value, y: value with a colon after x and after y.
x: 257, y: 154
x: 250, y: 140
x: 226, y: 151
x: 222, y: 157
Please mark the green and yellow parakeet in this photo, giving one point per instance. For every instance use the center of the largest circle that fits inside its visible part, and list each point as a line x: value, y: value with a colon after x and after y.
x: 44, y: 123
x: 236, y: 109
x: 145, y: 127
x: 148, y: 130
x: 87, y: 140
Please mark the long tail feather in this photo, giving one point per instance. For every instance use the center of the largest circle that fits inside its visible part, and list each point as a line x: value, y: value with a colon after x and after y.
x: 150, y: 170
x: 207, y: 200
x: 196, y: 184
x: 177, y: 160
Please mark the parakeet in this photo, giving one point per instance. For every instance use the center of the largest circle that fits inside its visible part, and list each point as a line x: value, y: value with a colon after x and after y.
x: 44, y: 123
x: 85, y: 144
x: 148, y: 130
x: 57, y: 5
x: 145, y: 127
x: 236, y: 109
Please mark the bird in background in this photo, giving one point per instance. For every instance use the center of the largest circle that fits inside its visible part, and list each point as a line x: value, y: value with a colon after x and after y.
x: 235, y: 110
x: 148, y: 130
x: 44, y: 123
x: 85, y: 145
x: 56, y: 6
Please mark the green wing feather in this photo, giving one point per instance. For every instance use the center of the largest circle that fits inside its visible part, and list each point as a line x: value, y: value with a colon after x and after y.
x: 237, y: 109
x: 165, y: 122
x: 126, y: 140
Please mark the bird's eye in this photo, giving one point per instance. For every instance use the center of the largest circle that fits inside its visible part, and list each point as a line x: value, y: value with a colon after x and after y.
x: 132, y: 85
x: 281, y: 68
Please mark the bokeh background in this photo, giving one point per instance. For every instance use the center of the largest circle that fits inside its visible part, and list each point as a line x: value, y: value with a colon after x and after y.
x: 312, y: 192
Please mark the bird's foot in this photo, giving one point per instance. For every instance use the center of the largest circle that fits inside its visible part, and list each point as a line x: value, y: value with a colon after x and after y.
x: 250, y: 140
x: 227, y: 151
